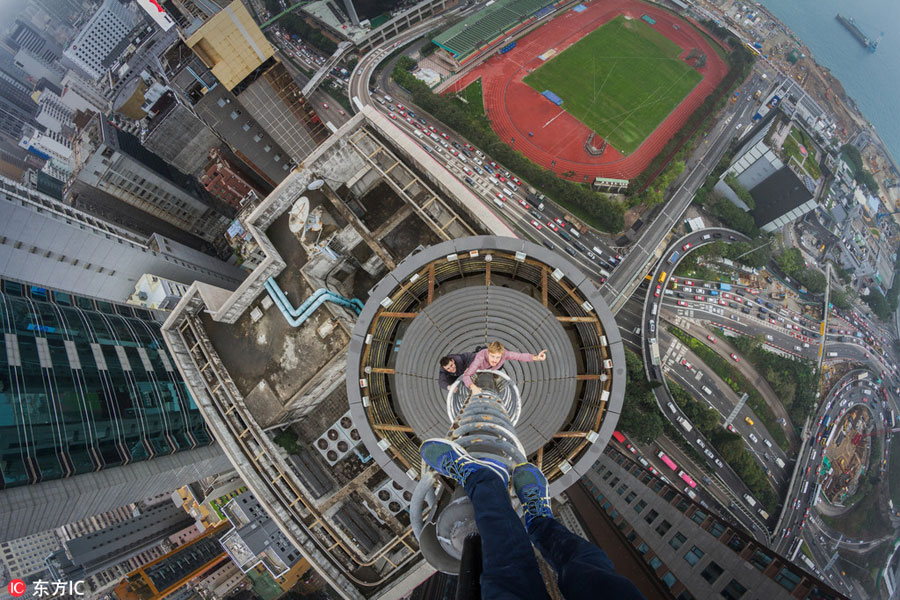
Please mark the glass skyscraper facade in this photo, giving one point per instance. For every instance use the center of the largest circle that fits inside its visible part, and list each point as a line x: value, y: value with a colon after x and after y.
x: 85, y: 385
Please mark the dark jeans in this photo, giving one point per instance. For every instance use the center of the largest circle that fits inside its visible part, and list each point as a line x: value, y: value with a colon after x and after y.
x: 509, y: 567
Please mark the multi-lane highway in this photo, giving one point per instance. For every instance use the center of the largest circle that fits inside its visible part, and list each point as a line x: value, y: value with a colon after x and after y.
x: 753, y: 516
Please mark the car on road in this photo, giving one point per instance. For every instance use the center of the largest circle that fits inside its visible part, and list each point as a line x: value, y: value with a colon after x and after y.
x: 753, y: 438
x: 552, y: 226
x: 698, y: 298
x: 656, y: 293
x: 536, y: 224
x: 341, y: 112
x: 559, y: 221
x: 688, y: 282
x: 324, y: 105
x: 393, y: 116
x: 687, y: 365
x: 734, y: 357
x: 549, y: 244
x: 516, y: 181
x: 682, y: 303
x: 686, y: 246
x: 711, y: 338
x: 708, y: 453
x: 719, y: 463
x: 523, y: 203
x: 731, y: 428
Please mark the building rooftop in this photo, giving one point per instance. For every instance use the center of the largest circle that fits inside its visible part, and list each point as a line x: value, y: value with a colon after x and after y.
x: 467, y: 292
x: 275, y: 393
x: 255, y: 538
x: 231, y: 44
x: 778, y: 194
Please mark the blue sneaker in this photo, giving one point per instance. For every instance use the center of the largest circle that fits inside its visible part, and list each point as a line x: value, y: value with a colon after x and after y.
x: 451, y: 460
x: 532, y: 489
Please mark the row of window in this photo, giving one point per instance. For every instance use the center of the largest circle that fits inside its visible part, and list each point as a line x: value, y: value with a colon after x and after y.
x: 787, y: 576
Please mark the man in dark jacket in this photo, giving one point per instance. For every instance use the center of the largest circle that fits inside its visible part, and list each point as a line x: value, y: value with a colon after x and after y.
x: 453, y: 366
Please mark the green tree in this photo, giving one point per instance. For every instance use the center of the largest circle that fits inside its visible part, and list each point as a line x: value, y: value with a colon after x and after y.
x: 640, y: 416
x: 865, y: 178
x: 790, y: 261
x: 878, y: 304
x: 839, y: 298
x: 852, y: 157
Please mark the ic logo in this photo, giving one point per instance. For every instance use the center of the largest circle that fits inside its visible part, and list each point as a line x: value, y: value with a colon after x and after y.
x: 16, y: 588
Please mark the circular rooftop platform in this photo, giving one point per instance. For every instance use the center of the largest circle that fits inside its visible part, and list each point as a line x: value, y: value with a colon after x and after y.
x: 472, y: 316
x: 457, y: 295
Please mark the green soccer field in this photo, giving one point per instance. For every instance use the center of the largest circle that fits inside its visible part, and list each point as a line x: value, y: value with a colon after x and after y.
x: 621, y: 80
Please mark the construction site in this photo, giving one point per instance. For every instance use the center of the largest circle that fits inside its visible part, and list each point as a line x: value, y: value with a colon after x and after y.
x: 847, y: 454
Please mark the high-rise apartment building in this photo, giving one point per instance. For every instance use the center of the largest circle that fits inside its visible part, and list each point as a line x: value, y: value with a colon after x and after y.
x: 685, y: 548
x: 234, y: 48
x: 17, y: 109
x: 80, y: 93
x: 96, y: 416
x: 26, y: 556
x: 47, y: 144
x: 88, y: 554
x: 52, y: 112
x: 53, y: 245
x: 23, y: 34
x: 115, y: 162
x: 356, y: 521
x: 39, y: 68
x: 100, y: 35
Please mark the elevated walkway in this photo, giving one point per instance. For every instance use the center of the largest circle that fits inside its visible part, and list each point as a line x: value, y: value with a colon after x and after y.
x: 325, y: 69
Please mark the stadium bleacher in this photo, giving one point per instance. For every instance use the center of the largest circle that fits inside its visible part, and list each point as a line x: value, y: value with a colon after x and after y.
x: 464, y: 38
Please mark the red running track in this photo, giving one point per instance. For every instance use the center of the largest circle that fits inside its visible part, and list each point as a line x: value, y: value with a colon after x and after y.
x: 515, y: 109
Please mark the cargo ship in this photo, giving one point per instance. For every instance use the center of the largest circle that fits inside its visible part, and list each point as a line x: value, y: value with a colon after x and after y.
x: 851, y: 26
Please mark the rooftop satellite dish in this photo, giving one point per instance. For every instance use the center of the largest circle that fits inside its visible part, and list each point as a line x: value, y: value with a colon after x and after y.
x: 298, y: 215
x: 315, y: 185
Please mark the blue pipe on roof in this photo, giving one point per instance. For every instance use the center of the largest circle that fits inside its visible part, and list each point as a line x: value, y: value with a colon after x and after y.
x: 297, y: 316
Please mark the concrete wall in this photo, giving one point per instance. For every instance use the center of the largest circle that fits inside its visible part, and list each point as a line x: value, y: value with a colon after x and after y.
x: 391, y: 28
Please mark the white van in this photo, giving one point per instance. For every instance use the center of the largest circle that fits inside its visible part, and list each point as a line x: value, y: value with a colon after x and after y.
x: 574, y: 232
x: 706, y: 390
x: 498, y: 202
x: 380, y: 101
x: 671, y: 407
x: 767, y: 443
x: 832, y: 354
x: 597, y: 251
x: 419, y: 134
x: 494, y: 180
x: 388, y: 98
x: 653, y: 309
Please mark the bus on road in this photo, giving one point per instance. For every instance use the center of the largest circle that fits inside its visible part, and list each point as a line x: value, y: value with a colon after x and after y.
x: 687, y: 479
x: 666, y: 460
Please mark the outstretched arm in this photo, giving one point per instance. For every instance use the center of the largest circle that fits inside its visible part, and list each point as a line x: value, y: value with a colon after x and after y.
x: 525, y: 357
